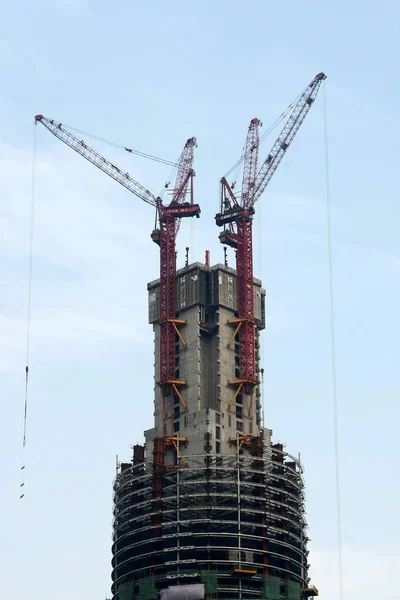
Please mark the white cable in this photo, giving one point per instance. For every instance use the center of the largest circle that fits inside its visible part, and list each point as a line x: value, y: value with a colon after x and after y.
x: 333, y: 350
x: 28, y: 323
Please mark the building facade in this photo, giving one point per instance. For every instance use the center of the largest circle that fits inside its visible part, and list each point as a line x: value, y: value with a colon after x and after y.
x: 209, y: 498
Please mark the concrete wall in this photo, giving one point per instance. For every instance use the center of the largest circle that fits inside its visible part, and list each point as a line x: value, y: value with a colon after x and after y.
x: 198, y: 284
x: 207, y: 301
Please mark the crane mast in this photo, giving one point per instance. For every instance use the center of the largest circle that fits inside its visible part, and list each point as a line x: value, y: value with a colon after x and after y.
x: 250, y: 159
x: 165, y: 236
x: 236, y: 216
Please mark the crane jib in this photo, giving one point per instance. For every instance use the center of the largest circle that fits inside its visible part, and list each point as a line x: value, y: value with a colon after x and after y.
x: 236, y: 217
x: 97, y: 160
x: 165, y: 236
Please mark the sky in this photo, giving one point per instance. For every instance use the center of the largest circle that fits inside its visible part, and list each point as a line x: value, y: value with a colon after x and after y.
x: 148, y: 76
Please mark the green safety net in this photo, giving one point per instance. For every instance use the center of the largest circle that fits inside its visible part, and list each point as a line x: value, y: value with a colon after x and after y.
x: 293, y: 590
x: 272, y: 588
x: 147, y: 589
x: 125, y: 591
x: 210, y: 580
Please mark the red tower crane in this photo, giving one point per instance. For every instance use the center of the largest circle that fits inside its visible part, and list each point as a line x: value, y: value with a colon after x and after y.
x: 236, y: 215
x: 165, y: 236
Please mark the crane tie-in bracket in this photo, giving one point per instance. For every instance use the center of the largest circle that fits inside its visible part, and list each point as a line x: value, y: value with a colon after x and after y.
x: 174, y: 383
x: 238, y: 323
x: 174, y: 440
x: 240, y: 383
x: 242, y: 440
x: 175, y: 323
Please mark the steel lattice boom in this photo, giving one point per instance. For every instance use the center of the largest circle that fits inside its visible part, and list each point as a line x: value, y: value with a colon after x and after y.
x: 165, y: 236
x: 236, y: 217
x: 250, y: 160
x: 285, y: 139
x: 185, y: 170
x: 96, y: 159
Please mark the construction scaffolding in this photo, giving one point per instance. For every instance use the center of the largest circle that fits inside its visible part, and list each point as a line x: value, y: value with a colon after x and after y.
x: 230, y: 521
x: 209, y: 499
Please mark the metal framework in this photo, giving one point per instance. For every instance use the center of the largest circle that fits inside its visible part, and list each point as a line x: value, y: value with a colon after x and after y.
x: 238, y: 517
x: 168, y: 217
x: 236, y: 217
x: 251, y: 159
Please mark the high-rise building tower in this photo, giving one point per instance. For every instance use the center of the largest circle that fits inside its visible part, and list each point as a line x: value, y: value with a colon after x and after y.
x: 209, y: 501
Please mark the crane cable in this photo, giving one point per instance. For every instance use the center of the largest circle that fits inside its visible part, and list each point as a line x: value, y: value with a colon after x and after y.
x: 332, y: 334
x: 268, y: 131
x: 28, y: 325
x: 130, y: 150
x: 262, y: 336
x: 260, y: 248
x: 166, y: 188
x: 333, y: 349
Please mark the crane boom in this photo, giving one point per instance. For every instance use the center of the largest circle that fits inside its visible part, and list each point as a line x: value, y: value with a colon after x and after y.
x: 96, y: 159
x: 284, y: 140
x: 165, y: 236
x: 184, y: 175
x: 185, y: 170
x: 250, y: 160
x: 236, y: 216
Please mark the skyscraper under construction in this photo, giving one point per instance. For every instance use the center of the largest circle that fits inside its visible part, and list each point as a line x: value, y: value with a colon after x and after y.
x: 209, y: 501
x: 209, y: 506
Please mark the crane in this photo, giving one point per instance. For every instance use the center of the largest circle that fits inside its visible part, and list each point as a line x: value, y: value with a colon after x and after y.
x: 164, y: 236
x: 236, y: 213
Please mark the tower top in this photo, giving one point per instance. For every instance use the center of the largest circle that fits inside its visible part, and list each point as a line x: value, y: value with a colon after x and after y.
x: 207, y: 404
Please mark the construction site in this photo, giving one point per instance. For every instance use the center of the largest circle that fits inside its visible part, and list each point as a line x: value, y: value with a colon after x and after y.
x: 209, y: 506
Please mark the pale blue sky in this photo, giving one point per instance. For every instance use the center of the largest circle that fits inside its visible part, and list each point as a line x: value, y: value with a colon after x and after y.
x: 149, y: 76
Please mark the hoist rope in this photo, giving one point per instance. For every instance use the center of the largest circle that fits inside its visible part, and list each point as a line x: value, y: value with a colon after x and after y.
x: 167, y: 187
x: 130, y: 150
x: 268, y: 131
x: 262, y: 336
x: 237, y: 170
x: 28, y: 324
x: 192, y: 257
x: 333, y: 349
x: 260, y: 257
x: 273, y: 125
x: 259, y: 240
x: 262, y: 398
